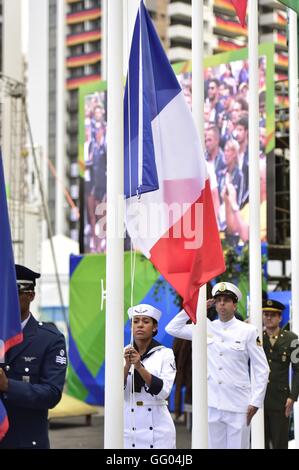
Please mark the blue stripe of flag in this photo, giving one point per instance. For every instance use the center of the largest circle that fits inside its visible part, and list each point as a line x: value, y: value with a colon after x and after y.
x: 158, y: 90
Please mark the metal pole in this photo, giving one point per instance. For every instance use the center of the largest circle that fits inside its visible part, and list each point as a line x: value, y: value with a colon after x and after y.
x: 294, y: 178
x: 60, y: 120
x: 255, y: 257
x: 199, y: 336
x: 114, y: 370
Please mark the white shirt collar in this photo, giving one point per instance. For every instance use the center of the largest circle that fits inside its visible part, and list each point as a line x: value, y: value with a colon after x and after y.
x: 24, y: 323
x: 227, y: 324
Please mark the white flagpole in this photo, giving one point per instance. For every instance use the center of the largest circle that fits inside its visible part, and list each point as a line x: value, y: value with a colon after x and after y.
x: 114, y: 370
x: 294, y: 178
x: 199, y: 338
x: 255, y: 257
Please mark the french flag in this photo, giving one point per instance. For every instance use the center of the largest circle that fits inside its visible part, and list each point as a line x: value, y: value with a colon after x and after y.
x: 169, y: 210
x: 10, y: 318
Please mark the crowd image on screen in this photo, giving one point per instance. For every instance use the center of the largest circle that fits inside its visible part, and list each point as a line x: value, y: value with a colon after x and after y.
x: 225, y: 115
x: 95, y: 164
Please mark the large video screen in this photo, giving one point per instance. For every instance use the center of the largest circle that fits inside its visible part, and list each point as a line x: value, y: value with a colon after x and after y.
x: 225, y: 144
x: 93, y: 165
x: 226, y: 87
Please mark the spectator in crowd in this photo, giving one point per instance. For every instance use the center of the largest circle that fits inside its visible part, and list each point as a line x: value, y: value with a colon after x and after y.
x: 208, y: 75
x: 237, y: 219
x: 215, y: 163
x: 228, y: 78
x: 242, y: 139
x: 213, y: 99
x: 244, y: 73
x: 243, y: 91
x: 230, y: 176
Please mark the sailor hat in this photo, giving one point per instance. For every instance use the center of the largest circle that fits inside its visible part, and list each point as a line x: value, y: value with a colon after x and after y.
x: 146, y: 310
x: 227, y: 288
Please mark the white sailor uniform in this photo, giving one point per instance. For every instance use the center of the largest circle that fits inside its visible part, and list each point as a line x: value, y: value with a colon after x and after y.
x: 148, y: 423
x: 230, y: 346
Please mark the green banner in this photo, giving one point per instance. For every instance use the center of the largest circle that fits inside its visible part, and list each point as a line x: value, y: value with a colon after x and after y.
x: 85, y: 379
x: 294, y: 4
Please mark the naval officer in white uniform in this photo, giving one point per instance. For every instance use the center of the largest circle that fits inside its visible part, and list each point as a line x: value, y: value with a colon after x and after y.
x: 148, y: 423
x: 232, y: 398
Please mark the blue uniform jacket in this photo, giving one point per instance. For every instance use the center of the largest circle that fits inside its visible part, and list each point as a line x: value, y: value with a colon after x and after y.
x: 36, y: 371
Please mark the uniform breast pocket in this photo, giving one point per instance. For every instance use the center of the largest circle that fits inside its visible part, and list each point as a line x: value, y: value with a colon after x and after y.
x: 210, y: 340
x: 243, y: 385
x: 27, y: 372
x: 238, y: 346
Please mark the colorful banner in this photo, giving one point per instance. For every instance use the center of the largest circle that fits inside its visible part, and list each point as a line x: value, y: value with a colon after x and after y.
x: 291, y: 4
x: 86, y: 372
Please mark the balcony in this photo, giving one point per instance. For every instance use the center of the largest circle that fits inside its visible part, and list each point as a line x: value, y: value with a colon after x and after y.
x: 281, y: 61
x: 84, y: 15
x: 72, y: 127
x: 228, y: 28
x: 273, y: 20
x: 272, y: 4
x: 72, y: 105
x: 224, y: 7
x: 278, y: 38
x: 83, y: 37
x: 83, y: 59
x: 178, y: 32
x: 72, y: 149
x: 227, y: 45
x: 180, y: 10
x: 73, y: 83
x: 179, y: 54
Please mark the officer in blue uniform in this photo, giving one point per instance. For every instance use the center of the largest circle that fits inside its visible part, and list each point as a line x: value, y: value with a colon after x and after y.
x: 33, y: 374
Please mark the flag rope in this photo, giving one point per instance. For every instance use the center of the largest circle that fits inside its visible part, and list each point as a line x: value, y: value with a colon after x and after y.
x: 132, y: 250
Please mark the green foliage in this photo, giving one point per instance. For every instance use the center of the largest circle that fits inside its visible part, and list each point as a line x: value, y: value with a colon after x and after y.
x: 237, y: 271
x: 162, y: 288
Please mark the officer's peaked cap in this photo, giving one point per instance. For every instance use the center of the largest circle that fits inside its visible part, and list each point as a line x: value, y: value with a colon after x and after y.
x: 146, y: 310
x: 270, y: 305
x: 227, y: 288
x: 25, y: 275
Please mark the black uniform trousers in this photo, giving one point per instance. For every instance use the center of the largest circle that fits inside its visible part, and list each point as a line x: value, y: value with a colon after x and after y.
x: 276, y: 429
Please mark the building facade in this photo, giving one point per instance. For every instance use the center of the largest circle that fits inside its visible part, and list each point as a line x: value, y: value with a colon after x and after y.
x: 82, y: 59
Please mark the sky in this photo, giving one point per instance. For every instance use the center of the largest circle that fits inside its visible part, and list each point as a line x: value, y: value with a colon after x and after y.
x: 25, y: 23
